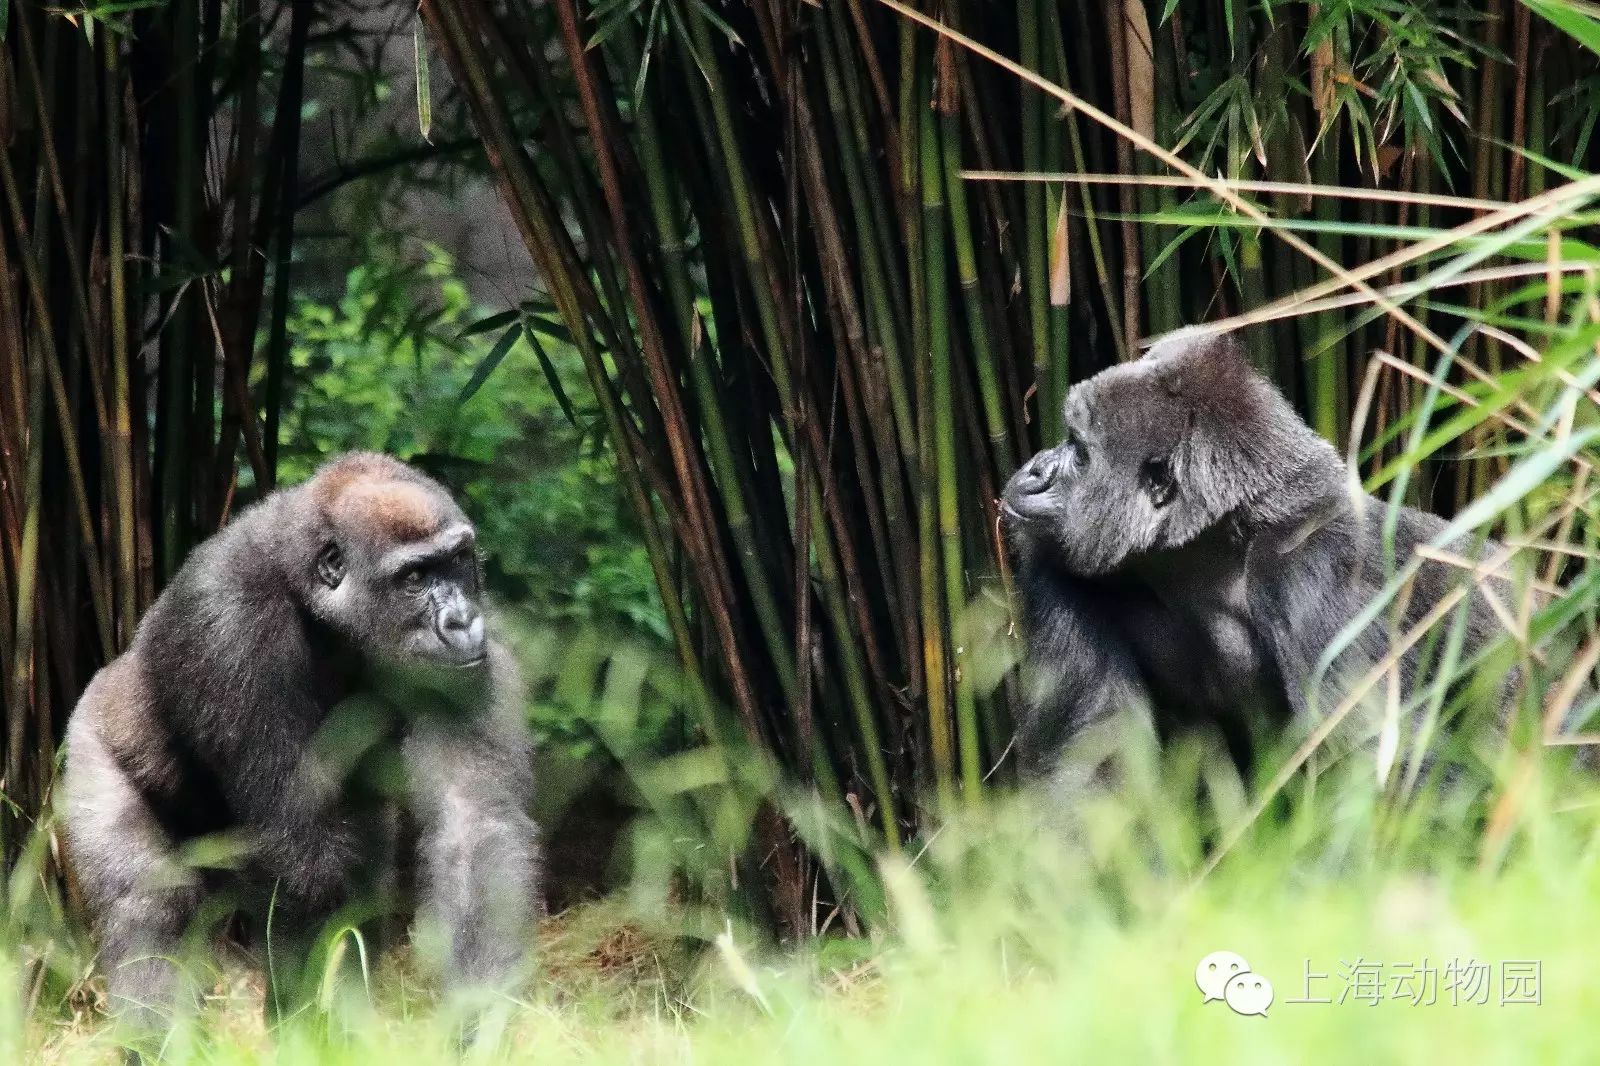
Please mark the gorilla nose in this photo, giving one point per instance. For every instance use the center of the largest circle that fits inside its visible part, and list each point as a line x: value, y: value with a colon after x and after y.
x: 1037, y: 476
x: 461, y: 629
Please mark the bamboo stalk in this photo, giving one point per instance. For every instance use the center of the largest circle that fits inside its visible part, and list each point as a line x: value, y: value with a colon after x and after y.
x: 120, y: 444
x: 532, y: 218
x: 944, y: 443
x: 288, y: 183
x: 1031, y: 23
x: 25, y: 608
x: 1163, y: 291
x: 764, y: 285
x: 719, y: 450
x: 979, y: 327
x: 1058, y: 295
x: 45, y: 339
x: 244, y: 288
x: 1122, y: 108
x: 873, y: 344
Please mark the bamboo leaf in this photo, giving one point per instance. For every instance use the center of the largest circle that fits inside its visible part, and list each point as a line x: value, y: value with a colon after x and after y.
x: 99, y: 12
x: 490, y: 324
x: 552, y: 377
x: 651, y: 23
x: 604, y: 11
x: 1170, y: 249
x: 716, y: 20
x: 1523, y: 478
x: 554, y: 330
x: 612, y: 18
x: 1581, y: 26
x: 424, y: 93
x: 496, y: 356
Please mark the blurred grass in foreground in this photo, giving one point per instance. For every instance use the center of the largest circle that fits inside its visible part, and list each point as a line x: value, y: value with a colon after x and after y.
x: 1013, y: 934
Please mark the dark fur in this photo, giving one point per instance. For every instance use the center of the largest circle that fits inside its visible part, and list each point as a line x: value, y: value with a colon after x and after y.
x: 1191, y: 550
x: 254, y: 696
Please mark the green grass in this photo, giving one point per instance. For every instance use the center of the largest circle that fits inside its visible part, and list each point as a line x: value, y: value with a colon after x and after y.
x: 1015, y: 938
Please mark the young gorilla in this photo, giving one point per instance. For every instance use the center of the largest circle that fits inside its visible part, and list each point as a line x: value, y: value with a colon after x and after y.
x: 1190, y: 550
x: 329, y: 628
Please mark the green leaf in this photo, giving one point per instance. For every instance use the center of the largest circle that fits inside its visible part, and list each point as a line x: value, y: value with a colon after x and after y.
x: 1521, y: 480
x: 555, y: 331
x: 609, y: 23
x: 717, y: 21
x: 1581, y: 27
x: 102, y: 12
x: 649, y: 49
x: 550, y: 375
x: 490, y: 324
x: 496, y: 356
x: 424, y: 94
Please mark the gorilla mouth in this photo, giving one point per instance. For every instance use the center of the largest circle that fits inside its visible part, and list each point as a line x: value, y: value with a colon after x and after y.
x: 1023, y: 512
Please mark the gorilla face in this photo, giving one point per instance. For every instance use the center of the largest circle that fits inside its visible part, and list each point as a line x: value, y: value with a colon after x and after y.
x: 1109, y: 489
x: 426, y: 597
x: 1155, y: 452
x: 397, y: 574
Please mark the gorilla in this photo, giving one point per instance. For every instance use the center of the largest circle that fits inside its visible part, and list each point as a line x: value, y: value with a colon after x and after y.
x: 317, y: 685
x: 1189, y: 551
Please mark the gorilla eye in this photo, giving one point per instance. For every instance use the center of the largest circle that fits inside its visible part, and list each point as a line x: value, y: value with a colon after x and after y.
x: 330, y: 565
x: 1075, y: 447
x: 1156, y: 474
x: 412, y: 578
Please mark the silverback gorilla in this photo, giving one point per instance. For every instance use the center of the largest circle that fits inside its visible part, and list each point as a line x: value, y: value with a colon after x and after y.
x: 317, y: 683
x: 1190, y: 550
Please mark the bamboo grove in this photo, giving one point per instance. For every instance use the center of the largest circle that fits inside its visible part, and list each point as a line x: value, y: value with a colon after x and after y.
x: 145, y: 206
x: 830, y: 272
x: 770, y: 238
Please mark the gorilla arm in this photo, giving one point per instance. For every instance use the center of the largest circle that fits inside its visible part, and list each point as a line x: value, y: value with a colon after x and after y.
x: 279, y: 787
x: 1080, y: 675
x: 471, y: 785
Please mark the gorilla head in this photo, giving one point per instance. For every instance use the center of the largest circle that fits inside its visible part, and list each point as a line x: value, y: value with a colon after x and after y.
x: 396, y: 570
x: 1156, y: 452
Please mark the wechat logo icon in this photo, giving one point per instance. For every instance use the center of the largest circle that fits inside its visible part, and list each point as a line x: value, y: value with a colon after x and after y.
x: 1225, y: 975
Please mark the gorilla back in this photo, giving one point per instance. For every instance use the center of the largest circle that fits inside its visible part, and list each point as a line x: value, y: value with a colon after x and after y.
x: 332, y: 630
x: 1190, y: 551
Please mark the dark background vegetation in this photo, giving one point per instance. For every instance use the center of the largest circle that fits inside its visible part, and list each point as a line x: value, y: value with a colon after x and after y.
x: 694, y: 307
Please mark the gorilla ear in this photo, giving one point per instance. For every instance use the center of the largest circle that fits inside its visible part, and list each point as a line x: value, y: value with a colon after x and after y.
x: 1200, y: 364
x: 1172, y: 380
x: 1155, y: 474
x: 330, y: 565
